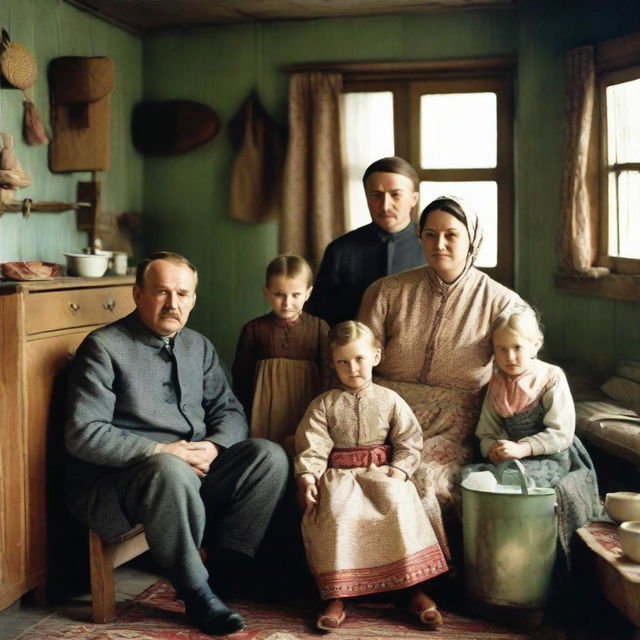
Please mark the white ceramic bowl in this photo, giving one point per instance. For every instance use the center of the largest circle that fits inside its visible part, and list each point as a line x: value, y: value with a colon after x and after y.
x: 86, y: 265
x: 629, y: 533
x: 623, y: 505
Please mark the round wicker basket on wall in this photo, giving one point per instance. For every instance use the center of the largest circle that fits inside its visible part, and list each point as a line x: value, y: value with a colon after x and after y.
x: 18, y: 65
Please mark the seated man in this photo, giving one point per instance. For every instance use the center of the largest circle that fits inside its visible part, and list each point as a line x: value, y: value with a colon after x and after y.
x: 157, y: 437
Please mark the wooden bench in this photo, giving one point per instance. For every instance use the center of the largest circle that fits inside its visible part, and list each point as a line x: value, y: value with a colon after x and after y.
x: 618, y: 577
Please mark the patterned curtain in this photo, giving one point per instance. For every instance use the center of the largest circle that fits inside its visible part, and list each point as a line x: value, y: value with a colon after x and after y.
x: 578, y: 242
x: 313, y: 201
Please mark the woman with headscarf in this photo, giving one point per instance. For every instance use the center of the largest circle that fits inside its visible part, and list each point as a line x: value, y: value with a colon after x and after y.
x: 434, y: 324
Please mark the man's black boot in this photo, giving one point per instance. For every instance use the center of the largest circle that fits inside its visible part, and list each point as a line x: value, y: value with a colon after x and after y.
x: 207, y: 612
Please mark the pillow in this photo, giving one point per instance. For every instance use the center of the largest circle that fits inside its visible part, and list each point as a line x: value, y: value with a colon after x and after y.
x: 610, y: 428
x: 629, y: 370
x: 623, y: 390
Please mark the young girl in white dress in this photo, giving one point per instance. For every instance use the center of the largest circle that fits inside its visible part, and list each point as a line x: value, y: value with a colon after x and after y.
x: 364, y: 528
x: 281, y: 360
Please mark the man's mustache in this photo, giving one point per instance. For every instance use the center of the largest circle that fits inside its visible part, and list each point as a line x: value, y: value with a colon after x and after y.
x: 170, y: 314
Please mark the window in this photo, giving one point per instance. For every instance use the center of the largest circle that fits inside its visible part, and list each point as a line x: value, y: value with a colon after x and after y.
x: 452, y: 121
x: 620, y: 179
x: 364, y: 113
x: 610, y: 171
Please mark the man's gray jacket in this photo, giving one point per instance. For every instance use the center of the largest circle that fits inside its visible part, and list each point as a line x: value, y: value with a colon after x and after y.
x: 130, y: 389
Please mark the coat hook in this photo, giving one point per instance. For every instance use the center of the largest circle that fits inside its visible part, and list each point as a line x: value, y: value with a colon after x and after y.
x: 26, y: 207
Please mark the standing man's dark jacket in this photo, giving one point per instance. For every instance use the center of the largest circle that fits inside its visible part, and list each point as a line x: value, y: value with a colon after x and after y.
x: 355, y: 260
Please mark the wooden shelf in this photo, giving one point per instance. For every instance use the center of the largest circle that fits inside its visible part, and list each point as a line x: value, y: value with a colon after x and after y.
x: 28, y: 206
x: 87, y: 208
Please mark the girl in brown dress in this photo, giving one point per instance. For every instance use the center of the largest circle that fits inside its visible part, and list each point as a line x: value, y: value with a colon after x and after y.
x: 281, y: 358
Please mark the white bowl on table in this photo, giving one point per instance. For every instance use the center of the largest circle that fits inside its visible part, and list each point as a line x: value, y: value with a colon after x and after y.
x: 86, y: 265
x: 629, y: 534
x: 623, y: 505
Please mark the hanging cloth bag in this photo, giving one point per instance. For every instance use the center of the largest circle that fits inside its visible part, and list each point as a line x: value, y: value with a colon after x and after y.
x: 256, y: 179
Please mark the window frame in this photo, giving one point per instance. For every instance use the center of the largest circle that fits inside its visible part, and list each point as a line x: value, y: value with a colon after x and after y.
x: 617, y: 54
x: 405, y: 81
x: 616, y: 264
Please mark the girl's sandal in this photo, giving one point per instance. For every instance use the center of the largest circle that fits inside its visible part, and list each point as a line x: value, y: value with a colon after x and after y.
x: 332, y: 617
x: 431, y: 618
x: 426, y: 611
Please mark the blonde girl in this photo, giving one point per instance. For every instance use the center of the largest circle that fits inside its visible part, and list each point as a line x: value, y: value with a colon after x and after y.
x: 364, y: 528
x: 528, y: 414
x: 528, y: 410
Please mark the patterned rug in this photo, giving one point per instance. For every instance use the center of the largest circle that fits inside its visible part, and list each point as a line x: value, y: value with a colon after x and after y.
x: 156, y: 615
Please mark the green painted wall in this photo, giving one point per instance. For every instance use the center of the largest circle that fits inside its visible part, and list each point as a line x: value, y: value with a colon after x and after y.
x: 185, y: 197
x: 49, y: 29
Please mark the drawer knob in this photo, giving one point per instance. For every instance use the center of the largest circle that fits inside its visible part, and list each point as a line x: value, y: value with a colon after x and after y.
x: 109, y: 305
x: 74, y: 306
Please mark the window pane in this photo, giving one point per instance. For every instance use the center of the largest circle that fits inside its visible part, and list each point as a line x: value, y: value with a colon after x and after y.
x: 624, y: 220
x: 368, y: 128
x: 623, y: 124
x: 458, y: 131
x: 483, y: 197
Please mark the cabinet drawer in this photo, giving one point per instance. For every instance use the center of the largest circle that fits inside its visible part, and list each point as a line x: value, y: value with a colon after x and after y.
x: 53, y: 310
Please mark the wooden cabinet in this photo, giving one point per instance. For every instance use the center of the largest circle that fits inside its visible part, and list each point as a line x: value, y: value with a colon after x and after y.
x: 41, y: 325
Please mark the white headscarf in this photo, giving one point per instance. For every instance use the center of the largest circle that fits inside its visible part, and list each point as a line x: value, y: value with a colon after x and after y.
x: 469, y: 219
x: 472, y: 222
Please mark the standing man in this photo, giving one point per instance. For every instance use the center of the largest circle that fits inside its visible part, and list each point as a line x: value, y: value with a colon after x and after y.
x: 385, y: 246
x: 157, y: 437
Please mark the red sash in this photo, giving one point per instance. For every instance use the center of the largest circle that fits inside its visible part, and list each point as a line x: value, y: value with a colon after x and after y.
x: 350, y: 457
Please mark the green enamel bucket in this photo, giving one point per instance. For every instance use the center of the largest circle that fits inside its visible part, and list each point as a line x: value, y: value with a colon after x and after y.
x: 509, y: 542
